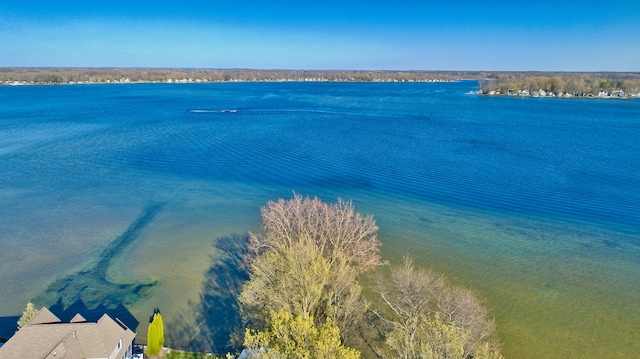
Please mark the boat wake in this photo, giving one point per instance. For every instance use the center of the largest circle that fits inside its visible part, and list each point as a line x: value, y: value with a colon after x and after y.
x: 213, y: 111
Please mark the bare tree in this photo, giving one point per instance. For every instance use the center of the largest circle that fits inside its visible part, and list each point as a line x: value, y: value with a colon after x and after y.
x: 335, y: 229
x: 461, y: 308
x: 428, y: 317
x: 307, y: 262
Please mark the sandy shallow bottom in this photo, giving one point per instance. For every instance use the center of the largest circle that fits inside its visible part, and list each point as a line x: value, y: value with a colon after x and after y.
x: 545, y: 281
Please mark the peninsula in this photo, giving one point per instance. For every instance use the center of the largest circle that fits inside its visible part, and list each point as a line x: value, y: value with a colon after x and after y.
x: 564, y: 85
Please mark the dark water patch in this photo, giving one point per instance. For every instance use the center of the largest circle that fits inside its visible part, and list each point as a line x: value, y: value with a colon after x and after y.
x: 214, y: 324
x: 66, y: 313
x: 611, y: 243
x: 130, y: 235
x: 90, y: 288
x: 342, y: 182
x: 8, y: 327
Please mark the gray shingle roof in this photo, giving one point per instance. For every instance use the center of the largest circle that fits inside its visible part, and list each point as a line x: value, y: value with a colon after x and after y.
x: 45, y: 336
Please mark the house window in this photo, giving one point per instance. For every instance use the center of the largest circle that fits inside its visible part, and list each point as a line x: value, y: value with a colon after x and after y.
x: 120, y: 344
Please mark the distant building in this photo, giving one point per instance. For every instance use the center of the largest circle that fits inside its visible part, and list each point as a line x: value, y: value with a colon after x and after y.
x: 45, y: 336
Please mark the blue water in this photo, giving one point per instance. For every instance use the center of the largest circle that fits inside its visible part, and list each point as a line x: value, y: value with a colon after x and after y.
x: 532, y: 202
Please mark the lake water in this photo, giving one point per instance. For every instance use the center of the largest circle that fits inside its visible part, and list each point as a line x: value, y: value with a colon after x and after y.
x: 124, y: 196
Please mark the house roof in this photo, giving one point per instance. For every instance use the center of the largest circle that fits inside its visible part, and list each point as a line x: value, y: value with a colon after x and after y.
x: 46, y: 336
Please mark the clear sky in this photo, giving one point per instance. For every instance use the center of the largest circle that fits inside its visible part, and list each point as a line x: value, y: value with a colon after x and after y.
x: 349, y: 35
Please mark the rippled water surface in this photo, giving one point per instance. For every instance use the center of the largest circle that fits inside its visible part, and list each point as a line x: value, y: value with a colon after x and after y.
x: 127, y: 196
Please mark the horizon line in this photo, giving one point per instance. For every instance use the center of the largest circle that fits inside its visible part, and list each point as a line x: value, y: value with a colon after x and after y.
x: 298, y: 70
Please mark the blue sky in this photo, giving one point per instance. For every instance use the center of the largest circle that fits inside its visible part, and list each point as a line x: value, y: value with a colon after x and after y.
x: 351, y: 35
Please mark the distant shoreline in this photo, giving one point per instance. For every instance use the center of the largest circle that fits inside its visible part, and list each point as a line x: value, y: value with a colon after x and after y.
x: 58, y: 76
x: 599, y: 85
x: 51, y: 76
x: 194, y: 81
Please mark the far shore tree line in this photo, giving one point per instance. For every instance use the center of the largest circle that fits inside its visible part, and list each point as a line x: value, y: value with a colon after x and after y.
x: 47, y: 76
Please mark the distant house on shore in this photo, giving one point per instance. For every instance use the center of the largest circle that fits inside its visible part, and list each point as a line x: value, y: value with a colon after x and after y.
x: 45, y: 336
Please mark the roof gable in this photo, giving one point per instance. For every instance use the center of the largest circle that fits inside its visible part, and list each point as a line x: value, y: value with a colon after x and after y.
x: 78, y: 319
x: 44, y: 316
